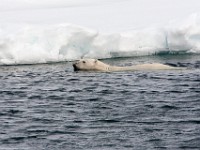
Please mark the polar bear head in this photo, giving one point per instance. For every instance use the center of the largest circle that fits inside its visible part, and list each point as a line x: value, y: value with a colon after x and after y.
x: 89, y: 65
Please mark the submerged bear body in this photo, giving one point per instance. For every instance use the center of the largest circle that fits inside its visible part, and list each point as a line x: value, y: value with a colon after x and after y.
x: 96, y: 65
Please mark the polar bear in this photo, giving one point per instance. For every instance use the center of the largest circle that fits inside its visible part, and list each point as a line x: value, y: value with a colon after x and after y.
x: 96, y: 65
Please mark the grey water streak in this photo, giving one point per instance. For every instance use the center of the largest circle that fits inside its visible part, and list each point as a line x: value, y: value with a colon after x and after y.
x: 50, y: 106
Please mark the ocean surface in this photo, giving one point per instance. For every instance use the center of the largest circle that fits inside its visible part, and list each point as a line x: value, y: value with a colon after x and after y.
x: 45, y: 105
x: 49, y: 106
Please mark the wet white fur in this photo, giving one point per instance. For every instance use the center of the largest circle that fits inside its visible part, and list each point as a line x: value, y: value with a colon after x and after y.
x: 96, y: 65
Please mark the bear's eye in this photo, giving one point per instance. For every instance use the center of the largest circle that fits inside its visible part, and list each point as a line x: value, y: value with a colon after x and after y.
x: 84, y: 62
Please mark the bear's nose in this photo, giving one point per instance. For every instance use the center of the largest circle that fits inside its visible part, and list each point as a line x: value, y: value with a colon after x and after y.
x: 75, y: 67
x: 74, y: 64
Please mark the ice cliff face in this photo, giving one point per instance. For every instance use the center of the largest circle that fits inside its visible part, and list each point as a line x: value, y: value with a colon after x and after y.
x: 40, y: 31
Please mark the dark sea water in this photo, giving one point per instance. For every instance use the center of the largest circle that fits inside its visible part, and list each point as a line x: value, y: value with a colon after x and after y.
x: 51, y: 107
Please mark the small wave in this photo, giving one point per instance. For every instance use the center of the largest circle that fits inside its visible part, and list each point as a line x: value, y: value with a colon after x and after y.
x: 108, y: 120
x: 169, y: 107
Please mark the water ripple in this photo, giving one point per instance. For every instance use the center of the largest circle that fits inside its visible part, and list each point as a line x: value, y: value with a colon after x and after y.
x: 51, y: 107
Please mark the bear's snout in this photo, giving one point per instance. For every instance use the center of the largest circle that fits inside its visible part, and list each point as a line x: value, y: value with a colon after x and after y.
x: 75, y: 66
